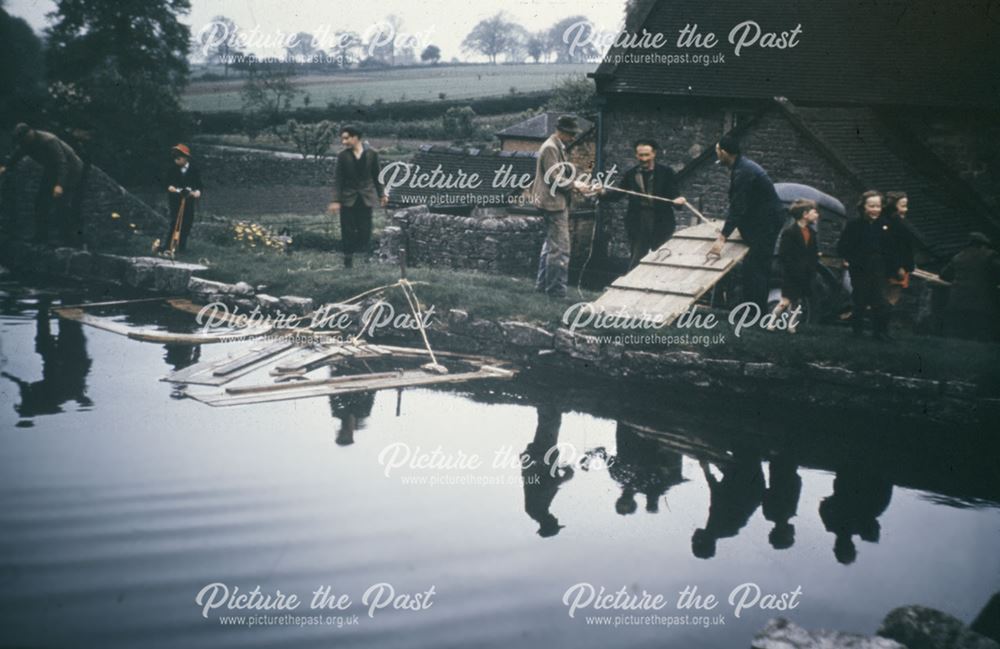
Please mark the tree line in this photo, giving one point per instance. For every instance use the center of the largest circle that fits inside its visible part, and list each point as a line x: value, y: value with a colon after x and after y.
x: 497, y: 38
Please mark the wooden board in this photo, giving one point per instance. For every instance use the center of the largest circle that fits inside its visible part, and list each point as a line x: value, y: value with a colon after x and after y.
x: 669, y: 280
x: 342, y: 385
x: 154, y: 335
x: 204, y: 373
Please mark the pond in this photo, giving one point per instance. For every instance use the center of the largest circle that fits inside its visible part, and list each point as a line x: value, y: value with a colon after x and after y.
x: 431, y: 518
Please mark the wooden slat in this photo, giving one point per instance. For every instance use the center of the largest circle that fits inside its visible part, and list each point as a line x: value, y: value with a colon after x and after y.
x: 151, y: 335
x: 668, y: 281
x: 203, y: 373
x: 407, y: 379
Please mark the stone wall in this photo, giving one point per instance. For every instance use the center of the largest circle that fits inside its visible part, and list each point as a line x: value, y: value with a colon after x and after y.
x: 506, y: 243
x: 234, y: 167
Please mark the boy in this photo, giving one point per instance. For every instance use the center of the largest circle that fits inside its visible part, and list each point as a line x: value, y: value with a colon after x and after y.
x: 183, y: 189
x: 797, y: 254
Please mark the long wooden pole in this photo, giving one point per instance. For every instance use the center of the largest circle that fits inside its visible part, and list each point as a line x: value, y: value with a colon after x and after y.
x: 664, y: 200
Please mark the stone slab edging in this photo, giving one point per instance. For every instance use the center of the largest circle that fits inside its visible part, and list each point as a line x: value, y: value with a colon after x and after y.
x: 523, y: 342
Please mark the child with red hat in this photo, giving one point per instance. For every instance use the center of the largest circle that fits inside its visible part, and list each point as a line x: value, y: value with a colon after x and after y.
x: 183, y: 191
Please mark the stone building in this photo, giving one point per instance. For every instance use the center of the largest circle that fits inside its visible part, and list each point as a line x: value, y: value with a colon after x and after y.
x: 891, y: 96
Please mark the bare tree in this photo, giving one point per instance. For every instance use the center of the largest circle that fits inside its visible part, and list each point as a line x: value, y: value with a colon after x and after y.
x: 516, y: 48
x: 489, y: 37
x: 561, y: 38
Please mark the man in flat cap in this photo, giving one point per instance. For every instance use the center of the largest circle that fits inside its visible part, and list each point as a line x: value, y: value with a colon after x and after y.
x: 62, y: 171
x: 551, y: 192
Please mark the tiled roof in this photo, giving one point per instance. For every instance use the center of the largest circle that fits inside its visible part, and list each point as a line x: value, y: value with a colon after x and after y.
x: 902, y: 52
x: 454, y: 164
x: 539, y: 127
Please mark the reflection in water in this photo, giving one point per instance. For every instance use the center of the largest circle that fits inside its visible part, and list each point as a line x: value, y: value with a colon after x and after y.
x: 180, y: 356
x: 351, y: 409
x: 643, y: 466
x: 859, y: 497
x: 542, y: 472
x: 781, y: 500
x: 65, y: 365
x: 734, y: 499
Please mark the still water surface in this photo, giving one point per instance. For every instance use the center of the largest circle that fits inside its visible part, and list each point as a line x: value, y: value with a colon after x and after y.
x: 119, y: 502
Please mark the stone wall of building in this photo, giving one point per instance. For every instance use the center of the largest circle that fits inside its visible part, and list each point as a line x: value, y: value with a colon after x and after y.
x: 686, y: 129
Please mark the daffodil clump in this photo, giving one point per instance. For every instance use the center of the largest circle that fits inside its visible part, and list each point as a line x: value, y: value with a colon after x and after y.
x: 253, y: 236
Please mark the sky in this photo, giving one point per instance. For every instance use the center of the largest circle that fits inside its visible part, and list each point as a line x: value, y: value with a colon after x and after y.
x: 441, y: 22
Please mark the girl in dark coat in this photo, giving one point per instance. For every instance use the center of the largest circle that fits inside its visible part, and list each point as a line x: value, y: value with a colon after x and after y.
x: 900, y: 263
x: 797, y: 254
x: 866, y: 249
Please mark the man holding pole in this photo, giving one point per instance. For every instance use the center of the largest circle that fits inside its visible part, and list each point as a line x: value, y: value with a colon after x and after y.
x: 754, y: 210
x: 649, y: 222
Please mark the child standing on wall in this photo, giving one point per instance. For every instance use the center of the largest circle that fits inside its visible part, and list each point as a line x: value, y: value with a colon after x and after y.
x: 797, y: 254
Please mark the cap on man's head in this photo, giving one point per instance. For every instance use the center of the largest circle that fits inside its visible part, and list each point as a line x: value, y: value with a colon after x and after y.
x: 567, y: 124
x: 20, y: 131
x: 181, y: 149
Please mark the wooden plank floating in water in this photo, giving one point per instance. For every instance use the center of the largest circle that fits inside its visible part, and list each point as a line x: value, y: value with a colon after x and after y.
x: 150, y: 335
x: 668, y: 281
x: 343, y: 385
x: 203, y: 373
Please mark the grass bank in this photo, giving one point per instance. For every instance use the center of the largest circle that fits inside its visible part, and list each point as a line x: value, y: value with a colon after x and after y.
x: 318, y: 273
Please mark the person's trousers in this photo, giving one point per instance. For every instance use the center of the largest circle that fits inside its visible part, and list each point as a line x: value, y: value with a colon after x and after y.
x: 649, y: 235
x: 868, y: 299
x: 67, y: 209
x: 756, y: 273
x: 553, y: 262
x: 355, y: 227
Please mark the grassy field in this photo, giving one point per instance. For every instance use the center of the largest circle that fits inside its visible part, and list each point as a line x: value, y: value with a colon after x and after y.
x: 423, y: 83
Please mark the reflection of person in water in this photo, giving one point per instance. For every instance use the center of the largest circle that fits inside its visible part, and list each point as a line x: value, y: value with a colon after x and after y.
x: 734, y: 499
x: 859, y: 498
x: 65, y: 366
x: 644, y: 466
x: 351, y: 409
x: 781, y: 501
x: 542, y: 473
x: 181, y: 356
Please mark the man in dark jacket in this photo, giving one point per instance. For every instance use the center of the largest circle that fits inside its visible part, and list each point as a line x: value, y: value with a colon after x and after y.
x: 648, y: 223
x: 62, y: 171
x: 973, y: 305
x: 754, y: 210
x: 357, y: 189
x: 183, y: 189
x: 866, y: 247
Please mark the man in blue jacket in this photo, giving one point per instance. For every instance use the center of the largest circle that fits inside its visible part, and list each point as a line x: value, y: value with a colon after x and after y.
x: 754, y: 210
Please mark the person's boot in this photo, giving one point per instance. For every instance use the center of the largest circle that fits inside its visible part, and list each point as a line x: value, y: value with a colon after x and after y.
x: 348, y: 261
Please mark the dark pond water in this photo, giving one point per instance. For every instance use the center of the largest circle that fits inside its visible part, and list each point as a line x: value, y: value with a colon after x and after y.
x: 120, y: 503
